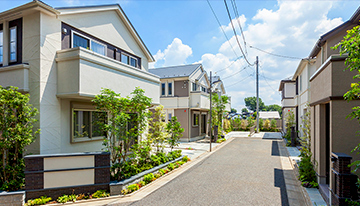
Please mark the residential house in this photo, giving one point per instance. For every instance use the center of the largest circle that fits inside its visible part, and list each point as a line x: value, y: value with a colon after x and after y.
x: 184, y: 94
x: 287, y: 88
x: 304, y: 71
x: 219, y: 88
x: 331, y: 130
x: 63, y: 57
x: 269, y: 115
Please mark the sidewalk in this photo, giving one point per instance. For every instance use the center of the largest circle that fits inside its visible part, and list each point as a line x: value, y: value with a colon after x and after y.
x: 313, y: 193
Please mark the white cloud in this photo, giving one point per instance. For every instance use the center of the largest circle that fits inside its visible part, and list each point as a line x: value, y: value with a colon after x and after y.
x: 328, y: 24
x: 236, y: 21
x: 176, y: 53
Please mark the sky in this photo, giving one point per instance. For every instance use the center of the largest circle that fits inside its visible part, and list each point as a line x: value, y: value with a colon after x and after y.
x: 181, y: 32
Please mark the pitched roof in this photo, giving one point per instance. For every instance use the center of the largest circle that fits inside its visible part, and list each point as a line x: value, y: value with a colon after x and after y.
x: 175, y: 71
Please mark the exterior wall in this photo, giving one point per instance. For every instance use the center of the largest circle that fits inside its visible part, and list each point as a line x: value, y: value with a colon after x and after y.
x: 321, y: 86
x: 183, y: 118
x: 181, y: 88
x: 341, y: 80
x: 289, y: 89
x: 116, y: 33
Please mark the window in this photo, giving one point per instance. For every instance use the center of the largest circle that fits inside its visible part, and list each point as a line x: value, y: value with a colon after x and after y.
x: 13, y: 44
x: 79, y: 41
x: 1, y: 44
x: 163, y: 89
x: 131, y: 129
x: 170, y: 88
x: 300, y: 83
x: 98, y: 48
x: 133, y: 62
x: 203, y: 89
x: 196, y: 119
x: 87, y: 124
x: 194, y: 86
x: 124, y: 58
x: 169, y: 117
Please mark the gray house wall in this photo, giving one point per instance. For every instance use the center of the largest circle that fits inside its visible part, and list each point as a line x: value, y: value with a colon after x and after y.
x: 181, y: 88
x: 182, y: 115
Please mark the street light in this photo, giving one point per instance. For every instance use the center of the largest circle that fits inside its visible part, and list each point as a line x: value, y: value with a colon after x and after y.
x: 211, y: 83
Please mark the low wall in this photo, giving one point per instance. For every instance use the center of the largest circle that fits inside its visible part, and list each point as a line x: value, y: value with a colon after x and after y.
x: 12, y: 198
x: 59, y: 174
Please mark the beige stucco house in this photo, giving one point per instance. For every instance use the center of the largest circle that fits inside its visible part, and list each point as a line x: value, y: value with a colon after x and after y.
x: 63, y: 57
x: 184, y: 94
x: 287, y: 88
x: 331, y: 130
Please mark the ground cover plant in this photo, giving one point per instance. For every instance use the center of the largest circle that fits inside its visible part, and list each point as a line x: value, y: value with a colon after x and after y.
x: 152, y: 177
x: 17, y: 119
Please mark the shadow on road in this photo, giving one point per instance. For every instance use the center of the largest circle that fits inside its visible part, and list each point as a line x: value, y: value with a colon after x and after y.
x: 275, y: 149
x: 279, y: 181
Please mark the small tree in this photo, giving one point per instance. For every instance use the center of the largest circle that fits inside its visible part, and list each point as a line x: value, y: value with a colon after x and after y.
x: 17, y: 117
x: 175, y: 130
x: 289, y: 122
x: 273, y: 125
x: 158, y: 134
x: 219, y: 104
x: 125, y: 122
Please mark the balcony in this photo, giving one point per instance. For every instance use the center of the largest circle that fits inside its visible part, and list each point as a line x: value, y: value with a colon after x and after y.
x: 199, y: 100
x: 15, y: 75
x: 175, y: 102
x: 288, y: 102
x: 83, y: 73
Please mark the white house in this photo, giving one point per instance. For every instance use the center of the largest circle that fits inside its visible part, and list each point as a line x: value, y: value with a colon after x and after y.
x: 63, y: 57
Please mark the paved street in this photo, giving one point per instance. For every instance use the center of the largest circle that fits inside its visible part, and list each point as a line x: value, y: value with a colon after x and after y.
x: 245, y: 172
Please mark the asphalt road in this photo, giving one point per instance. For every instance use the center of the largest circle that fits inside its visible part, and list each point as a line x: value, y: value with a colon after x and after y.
x: 245, y: 172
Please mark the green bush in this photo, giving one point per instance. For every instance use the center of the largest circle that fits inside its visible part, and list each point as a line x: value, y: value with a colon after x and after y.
x: 133, y: 188
x: 220, y: 140
x: 100, y: 193
x: 148, y: 178
x: 273, y: 125
x: 63, y: 199
x: 39, y: 201
x: 307, y: 174
x: 185, y: 159
x: 171, y: 166
x: 174, y: 154
x: 142, y: 183
x: 162, y: 171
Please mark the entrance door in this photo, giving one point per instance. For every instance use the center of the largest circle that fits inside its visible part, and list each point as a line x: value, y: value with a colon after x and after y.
x: 203, y: 123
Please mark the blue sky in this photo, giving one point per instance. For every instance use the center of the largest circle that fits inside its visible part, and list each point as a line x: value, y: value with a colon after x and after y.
x: 186, y: 31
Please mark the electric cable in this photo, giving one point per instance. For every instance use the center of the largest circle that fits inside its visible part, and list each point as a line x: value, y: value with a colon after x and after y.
x: 233, y: 2
x: 278, y: 55
x: 236, y: 36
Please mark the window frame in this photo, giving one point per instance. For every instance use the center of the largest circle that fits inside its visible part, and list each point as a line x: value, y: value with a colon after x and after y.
x: 194, y: 86
x: 170, y: 92
x: 82, y: 107
x: 195, y: 114
x: 130, y: 58
x: 89, y: 39
x: 163, y: 87
x: 10, y: 60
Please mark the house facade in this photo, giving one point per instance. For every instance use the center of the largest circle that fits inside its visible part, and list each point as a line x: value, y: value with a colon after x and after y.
x: 287, y: 88
x: 63, y: 57
x: 219, y: 88
x: 331, y: 130
x: 184, y: 94
x: 304, y: 71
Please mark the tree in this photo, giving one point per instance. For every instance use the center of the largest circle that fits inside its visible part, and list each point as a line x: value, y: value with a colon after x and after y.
x: 17, y: 118
x: 218, y: 105
x: 244, y: 110
x: 233, y: 110
x: 350, y: 46
x: 274, y: 107
x: 125, y: 121
x: 175, y: 130
x: 158, y: 134
x: 250, y: 103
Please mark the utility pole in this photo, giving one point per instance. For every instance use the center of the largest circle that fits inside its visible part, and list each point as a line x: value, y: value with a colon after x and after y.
x: 257, y: 94
x: 210, y: 109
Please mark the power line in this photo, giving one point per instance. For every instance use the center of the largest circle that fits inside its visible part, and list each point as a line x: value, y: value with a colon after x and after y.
x: 237, y: 40
x: 235, y: 73
x: 222, y: 28
x: 233, y: 2
x: 278, y: 55
x: 229, y: 65
x: 240, y: 81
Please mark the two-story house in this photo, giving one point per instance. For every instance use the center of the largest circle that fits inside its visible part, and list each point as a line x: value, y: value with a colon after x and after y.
x: 331, y: 130
x: 184, y: 94
x: 287, y: 88
x: 63, y: 57
x: 219, y: 88
x: 304, y: 71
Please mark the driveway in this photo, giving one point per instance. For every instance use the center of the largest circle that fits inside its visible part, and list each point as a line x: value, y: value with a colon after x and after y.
x: 247, y: 171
